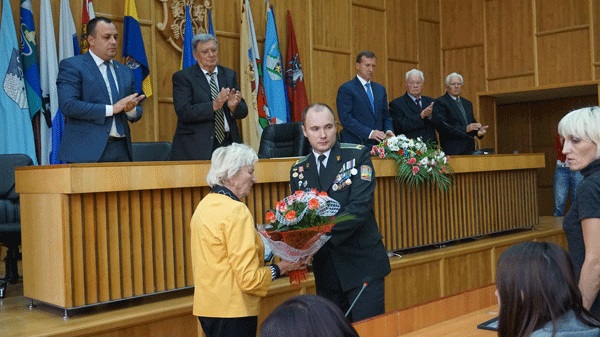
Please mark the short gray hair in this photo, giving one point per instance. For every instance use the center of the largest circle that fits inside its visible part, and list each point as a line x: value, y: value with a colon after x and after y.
x: 449, y: 77
x: 203, y: 38
x: 227, y: 161
x: 415, y: 72
x: 584, y: 124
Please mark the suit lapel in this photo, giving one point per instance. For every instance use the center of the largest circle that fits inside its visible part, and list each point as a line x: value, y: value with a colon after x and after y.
x: 411, y: 104
x: 201, y: 79
x: 455, y: 109
x: 119, y: 72
x: 362, y: 94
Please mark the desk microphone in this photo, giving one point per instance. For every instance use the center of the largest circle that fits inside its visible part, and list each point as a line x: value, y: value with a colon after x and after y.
x: 366, y: 282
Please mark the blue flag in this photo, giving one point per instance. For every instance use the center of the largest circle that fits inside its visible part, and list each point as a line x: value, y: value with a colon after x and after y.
x: 187, y: 58
x: 16, y: 131
x: 134, y: 51
x: 273, y: 79
x: 211, y: 28
x: 29, y: 59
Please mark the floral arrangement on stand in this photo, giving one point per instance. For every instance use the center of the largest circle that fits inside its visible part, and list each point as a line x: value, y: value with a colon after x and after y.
x: 416, y: 161
x: 298, y: 226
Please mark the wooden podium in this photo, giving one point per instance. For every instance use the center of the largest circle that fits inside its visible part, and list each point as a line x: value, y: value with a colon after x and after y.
x: 97, y: 233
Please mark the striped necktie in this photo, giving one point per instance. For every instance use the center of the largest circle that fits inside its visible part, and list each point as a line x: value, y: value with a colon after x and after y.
x: 219, y: 118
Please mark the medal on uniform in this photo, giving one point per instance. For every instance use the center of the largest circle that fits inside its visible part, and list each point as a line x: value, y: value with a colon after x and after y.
x: 295, y: 175
x: 334, y: 187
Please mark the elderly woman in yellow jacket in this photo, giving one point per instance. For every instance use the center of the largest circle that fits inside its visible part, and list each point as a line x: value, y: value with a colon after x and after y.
x: 227, y: 252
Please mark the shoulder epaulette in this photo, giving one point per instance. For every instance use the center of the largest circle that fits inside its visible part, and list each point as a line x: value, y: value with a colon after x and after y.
x: 351, y: 146
x: 301, y: 160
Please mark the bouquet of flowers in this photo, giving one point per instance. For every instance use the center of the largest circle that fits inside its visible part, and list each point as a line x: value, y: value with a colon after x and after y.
x: 299, y: 225
x: 416, y: 161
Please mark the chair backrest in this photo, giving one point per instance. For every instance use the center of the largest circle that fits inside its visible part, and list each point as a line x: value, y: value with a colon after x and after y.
x: 283, y: 140
x: 8, y: 163
x: 151, y: 151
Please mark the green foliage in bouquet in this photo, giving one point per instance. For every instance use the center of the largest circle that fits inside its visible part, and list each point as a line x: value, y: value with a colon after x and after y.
x: 416, y: 162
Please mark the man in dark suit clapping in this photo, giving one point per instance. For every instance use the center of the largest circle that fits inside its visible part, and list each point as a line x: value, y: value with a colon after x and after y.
x: 207, y: 102
x: 97, y: 96
x: 454, y: 119
x: 411, y: 112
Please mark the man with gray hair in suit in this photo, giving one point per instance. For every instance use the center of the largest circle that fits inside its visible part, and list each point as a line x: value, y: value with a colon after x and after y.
x: 454, y: 119
x: 411, y: 112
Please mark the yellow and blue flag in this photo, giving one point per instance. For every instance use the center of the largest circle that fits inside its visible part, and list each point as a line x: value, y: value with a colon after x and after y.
x: 134, y: 51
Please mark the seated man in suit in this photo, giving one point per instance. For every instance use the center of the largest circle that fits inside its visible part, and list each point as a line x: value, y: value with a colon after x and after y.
x: 355, y: 250
x: 411, y: 112
x: 97, y: 96
x: 454, y: 120
x: 207, y: 102
x: 362, y: 105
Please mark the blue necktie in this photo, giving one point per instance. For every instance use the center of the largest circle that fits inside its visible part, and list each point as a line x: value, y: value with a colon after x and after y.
x: 418, y: 101
x: 370, y: 94
x: 114, y: 93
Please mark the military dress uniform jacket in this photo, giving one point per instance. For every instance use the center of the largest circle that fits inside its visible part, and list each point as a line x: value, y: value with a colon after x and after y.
x: 355, y: 249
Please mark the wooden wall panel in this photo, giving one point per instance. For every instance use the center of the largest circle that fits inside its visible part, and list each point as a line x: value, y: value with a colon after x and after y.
x: 595, y: 22
x: 564, y: 57
x: 560, y: 14
x: 332, y: 22
x: 527, y: 81
x: 402, y: 34
x: 374, y: 4
x: 429, y: 10
x: 332, y: 72
x: 429, y: 58
x: 396, y: 80
x: 462, y: 23
x: 364, y: 37
x: 468, y: 62
x: 476, y: 265
x: 509, y: 38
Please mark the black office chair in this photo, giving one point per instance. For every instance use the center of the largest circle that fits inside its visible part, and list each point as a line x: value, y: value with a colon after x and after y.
x: 151, y: 151
x: 283, y: 140
x: 10, y: 215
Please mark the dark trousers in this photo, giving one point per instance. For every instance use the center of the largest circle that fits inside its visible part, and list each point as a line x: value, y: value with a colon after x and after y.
x: 116, y: 150
x: 370, y: 303
x: 229, y: 327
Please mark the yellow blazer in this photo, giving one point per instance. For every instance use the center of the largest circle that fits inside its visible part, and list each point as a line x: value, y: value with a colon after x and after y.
x: 227, y: 259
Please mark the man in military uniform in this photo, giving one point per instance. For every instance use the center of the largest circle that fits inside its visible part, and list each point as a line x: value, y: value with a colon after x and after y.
x: 355, y: 251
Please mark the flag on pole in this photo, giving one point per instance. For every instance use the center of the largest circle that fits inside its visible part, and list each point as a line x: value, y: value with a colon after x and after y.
x: 16, y: 132
x: 29, y: 59
x: 294, y: 76
x: 68, y: 46
x: 249, y: 79
x: 87, y: 13
x: 134, y: 51
x: 187, y: 57
x: 30, y: 63
x: 67, y: 34
x: 273, y: 80
x: 210, y: 28
x: 48, y: 74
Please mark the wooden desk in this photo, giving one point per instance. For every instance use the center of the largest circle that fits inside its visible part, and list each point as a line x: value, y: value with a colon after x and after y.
x: 463, y: 326
x: 96, y: 233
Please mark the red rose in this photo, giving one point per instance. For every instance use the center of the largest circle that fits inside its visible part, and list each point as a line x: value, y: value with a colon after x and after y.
x: 415, y: 169
x: 314, y: 191
x: 270, y: 217
x: 313, y: 204
x: 411, y: 161
x: 299, y: 193
x: 291, y: 215
x: 281, y: 206
x: 323, y: 194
